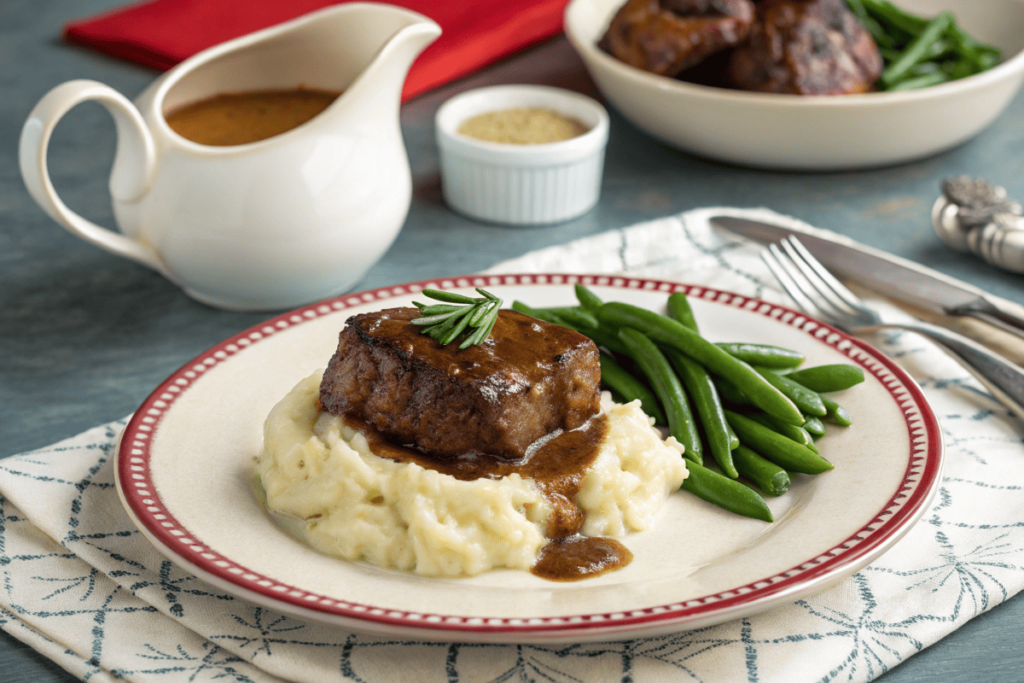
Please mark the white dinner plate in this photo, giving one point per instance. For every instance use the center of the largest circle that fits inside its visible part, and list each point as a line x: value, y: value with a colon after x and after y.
x: 186, y: 461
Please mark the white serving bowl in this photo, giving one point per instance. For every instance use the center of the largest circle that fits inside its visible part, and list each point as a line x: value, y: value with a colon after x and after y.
x: 521, y: 184
x: 812, y: 133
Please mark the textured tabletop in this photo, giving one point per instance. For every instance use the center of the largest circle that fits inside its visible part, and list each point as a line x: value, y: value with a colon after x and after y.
x: 85, y: 336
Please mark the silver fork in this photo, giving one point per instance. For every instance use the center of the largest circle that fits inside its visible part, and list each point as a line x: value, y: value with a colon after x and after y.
x: 822, y: 296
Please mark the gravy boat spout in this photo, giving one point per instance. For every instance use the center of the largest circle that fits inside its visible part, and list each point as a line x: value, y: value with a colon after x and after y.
x: 378, y: 88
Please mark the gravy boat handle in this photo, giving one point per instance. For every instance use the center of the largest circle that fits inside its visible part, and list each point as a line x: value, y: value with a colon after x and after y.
x: 130, y: 179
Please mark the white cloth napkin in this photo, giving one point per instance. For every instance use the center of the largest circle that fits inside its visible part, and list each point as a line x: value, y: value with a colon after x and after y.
x: 82, y: 586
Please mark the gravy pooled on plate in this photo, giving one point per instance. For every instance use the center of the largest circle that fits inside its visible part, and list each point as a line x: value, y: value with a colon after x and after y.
x: 240, y: 118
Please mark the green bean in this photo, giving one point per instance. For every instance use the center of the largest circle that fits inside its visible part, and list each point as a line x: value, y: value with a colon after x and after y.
x: 823, y: 378
x: 599, y: 335
x: 718, y: 436
x: 868, y: 22
x: 979, y: 55
x: 541, y: 314
x: 917, y: 49
x: 764, y: 355
x: 889, y: 54
x: 792, y: 432
x: 588, y: 300
x: 806, y: 400
x: 726, y: 493
x: 667, y: 388
x: 604, y: 338
x: 765, y: 474
x: 923, y: 69
x: 939, y: 50
x: 933, y: 50
x: 919, y: 82
x: 836, y: 413
x: 730, y: 394
x: 629, y: 388
x: 734, y: 441
x: 571, y: 314
x: 858, y: 9
x: 815, y: 427
x: 777, y: 448
x: 663, y: 330
x: 987, y: 60
x: 894, y: 16
x: 679, y: 308
x: 961, y: 68
x: 702, y: 391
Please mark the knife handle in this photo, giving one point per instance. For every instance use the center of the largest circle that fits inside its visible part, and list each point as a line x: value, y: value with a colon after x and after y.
x: 1002, y: 377
x: 1007, y: 316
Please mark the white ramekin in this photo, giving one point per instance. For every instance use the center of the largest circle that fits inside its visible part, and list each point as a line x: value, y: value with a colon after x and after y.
x: 521, y: 184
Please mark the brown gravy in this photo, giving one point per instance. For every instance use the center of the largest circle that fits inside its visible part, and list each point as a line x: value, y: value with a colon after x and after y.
x: 557, y: 465
x: 240, y: 118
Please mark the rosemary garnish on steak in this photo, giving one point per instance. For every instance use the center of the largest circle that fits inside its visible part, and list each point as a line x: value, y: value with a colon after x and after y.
x: 459, y: 313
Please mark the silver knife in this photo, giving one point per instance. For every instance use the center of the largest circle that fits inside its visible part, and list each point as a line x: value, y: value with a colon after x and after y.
x: 888, y: 274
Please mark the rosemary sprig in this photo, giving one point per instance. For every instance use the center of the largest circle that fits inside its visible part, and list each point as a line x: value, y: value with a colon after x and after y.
x: 458, y: 312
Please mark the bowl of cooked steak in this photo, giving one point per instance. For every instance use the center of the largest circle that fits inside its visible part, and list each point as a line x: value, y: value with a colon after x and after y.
x: 804, y: 84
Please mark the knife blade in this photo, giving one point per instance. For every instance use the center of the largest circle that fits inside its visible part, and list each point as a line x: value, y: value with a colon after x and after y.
x: 888, y: 274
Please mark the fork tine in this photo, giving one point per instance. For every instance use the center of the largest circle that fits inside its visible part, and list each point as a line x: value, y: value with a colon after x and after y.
x: 810, y: 298
x: 806, y: 260
x: 778, y: 264
x: 771, y: 259
x: 825, y: 295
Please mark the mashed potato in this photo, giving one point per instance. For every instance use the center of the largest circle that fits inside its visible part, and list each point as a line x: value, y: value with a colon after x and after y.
x: 358, y: 506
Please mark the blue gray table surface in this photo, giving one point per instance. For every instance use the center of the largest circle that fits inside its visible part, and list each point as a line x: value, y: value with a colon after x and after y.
x: 85, y: 336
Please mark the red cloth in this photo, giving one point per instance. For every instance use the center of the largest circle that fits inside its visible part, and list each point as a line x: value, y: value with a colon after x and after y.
x: 161, y: 33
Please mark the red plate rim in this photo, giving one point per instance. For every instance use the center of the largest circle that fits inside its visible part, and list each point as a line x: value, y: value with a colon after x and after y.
x: 906, y: 504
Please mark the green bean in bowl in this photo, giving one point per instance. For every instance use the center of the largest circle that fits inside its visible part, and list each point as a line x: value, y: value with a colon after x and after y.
x: 920, y: 51
x: 747, y: 414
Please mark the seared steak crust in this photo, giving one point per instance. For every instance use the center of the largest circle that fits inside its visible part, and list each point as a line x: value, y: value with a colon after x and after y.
x: 526, y: 380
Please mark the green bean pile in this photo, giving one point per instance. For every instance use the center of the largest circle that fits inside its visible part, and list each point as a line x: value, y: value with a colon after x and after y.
x: 747, y: 405
x: 920, y: 52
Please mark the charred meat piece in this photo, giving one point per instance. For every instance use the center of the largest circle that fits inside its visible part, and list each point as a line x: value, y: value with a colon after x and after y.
x: 526, y: 380
x: 669, y: 36
x: 806, y: 47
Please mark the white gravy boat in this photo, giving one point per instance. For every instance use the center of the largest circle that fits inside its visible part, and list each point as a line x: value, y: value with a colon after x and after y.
x: 272, y: 224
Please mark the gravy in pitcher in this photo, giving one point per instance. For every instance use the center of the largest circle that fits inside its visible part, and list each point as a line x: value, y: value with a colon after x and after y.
x: 240, y: 118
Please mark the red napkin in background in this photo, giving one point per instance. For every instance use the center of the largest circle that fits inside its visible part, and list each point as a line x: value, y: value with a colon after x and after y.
x: 162, y: 33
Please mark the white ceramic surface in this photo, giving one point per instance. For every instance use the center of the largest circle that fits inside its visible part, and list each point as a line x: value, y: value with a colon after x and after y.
x: 521, y: 184
x: 186, y: 461
x: 272, y: 224
x: 812, y: 133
